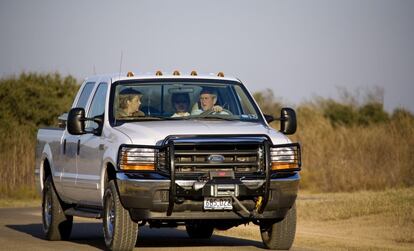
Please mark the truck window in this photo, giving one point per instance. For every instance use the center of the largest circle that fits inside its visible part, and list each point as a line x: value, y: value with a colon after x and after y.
x: 86, y: 92
x: 182, y: 99
x: 97, y: 107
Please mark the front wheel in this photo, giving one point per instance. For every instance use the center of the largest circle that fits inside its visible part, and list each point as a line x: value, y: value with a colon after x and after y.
x: 120, y: 231
x: 280, y: 235
x: 56, y: 225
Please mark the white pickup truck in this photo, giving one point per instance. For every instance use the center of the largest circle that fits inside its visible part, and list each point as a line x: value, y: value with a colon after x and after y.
x: 132, y: 153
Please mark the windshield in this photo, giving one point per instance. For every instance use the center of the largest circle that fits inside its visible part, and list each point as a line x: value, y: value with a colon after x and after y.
x: 143, y: 101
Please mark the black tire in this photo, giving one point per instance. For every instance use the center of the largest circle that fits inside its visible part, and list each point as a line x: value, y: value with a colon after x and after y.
x: 56, y: 225
x: 199, y: 229
x: 280, y: 235
x: 120, y: 231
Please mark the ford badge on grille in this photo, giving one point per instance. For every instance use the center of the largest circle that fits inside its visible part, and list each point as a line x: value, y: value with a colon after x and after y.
x: 215, y: 158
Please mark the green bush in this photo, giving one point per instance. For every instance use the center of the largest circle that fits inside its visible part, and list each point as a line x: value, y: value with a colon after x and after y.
x: 35, y: 100
x: 340, y: 114
x: 27, y: 103
x: 402, y: 114
x: 343, y: 114
x: 372, y: 113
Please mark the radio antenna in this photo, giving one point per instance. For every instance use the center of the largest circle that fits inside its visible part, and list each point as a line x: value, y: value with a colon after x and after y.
x: 120, y: 65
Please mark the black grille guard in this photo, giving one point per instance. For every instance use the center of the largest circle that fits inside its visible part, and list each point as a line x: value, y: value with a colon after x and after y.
x: 173, y: 140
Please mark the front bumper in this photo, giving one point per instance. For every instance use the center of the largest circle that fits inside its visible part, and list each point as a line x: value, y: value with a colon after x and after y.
x: 148, y: 199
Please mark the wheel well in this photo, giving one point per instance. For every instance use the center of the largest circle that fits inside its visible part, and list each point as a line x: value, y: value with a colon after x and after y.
x: 46, y: 169
x: 110, y: 172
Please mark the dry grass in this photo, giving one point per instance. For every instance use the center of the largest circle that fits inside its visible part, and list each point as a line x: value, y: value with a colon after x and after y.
x: 18, y: 203
x: 339, y: 158
x: 18, y: 162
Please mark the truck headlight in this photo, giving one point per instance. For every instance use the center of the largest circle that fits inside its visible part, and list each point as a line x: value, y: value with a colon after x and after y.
x: 285, y: 157
x: 137, y: 159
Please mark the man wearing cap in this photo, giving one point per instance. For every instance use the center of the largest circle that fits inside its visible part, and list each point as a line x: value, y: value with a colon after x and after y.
x: 208, y: 99
x: 129, y: 103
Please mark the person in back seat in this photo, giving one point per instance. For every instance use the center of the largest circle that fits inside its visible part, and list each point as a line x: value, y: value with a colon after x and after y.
x: 181, y: 103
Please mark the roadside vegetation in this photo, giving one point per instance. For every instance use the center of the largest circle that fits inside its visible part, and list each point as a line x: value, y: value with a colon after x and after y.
x: 352, y: 144
x: 28, y: 102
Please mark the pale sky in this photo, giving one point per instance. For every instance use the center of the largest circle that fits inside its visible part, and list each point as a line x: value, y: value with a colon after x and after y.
x: 299, y: 49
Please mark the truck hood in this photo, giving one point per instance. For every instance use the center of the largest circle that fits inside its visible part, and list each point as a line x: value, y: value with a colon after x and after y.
x: 154, y: 132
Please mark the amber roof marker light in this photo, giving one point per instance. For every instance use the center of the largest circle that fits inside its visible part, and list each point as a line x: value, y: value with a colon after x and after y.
x: 158, y: 73
x: 130, y: 74
x: 193, y: 73
x: 176, y: 73
x: 220, y: 74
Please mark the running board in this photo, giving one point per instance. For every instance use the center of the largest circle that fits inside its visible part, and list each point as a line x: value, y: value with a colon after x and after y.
x: 84, y: 212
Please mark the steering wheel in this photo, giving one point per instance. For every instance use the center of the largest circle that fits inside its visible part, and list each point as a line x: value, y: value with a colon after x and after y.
x: 211, y: 111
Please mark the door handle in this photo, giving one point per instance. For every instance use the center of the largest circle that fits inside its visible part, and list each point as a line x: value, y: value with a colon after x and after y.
x: 78, y: 149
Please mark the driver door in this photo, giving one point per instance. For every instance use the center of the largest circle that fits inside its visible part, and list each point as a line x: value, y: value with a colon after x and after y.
x: 91, y: 151
x: 70, y: 151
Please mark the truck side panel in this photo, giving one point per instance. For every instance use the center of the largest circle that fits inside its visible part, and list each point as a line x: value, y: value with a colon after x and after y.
x: 48, y: 155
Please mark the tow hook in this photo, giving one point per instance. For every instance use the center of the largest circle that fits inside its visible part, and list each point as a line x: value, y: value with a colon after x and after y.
x: 258, y: 202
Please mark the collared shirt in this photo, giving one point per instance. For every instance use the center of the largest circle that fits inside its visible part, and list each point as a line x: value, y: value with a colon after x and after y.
x: 181, y: 114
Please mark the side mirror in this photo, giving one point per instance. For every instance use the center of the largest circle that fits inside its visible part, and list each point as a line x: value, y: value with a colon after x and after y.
x: 287, y: 121
x: 76, y: 121
x: 269, y: 118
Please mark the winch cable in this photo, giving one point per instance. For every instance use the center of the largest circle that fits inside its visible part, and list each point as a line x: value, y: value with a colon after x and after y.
x: 240, y: 204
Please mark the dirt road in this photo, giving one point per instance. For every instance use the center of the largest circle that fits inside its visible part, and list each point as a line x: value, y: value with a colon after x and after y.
x: 21, y: 229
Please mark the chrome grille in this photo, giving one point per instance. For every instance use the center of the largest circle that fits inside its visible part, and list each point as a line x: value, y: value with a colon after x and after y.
x: 240, y: 158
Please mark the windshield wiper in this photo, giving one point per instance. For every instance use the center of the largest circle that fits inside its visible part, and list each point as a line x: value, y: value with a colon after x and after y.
x: 153, y: 118
x: 139, y: 118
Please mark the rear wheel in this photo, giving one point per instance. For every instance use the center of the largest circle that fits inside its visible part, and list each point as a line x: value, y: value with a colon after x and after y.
x: 280, y: 235
x: 56, y: 225
x: 199, y: 229
x: 120, y: 231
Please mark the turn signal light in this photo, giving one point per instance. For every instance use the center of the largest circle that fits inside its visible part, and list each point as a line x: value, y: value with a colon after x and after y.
x: 283, y: 166
x: 138, y: 167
